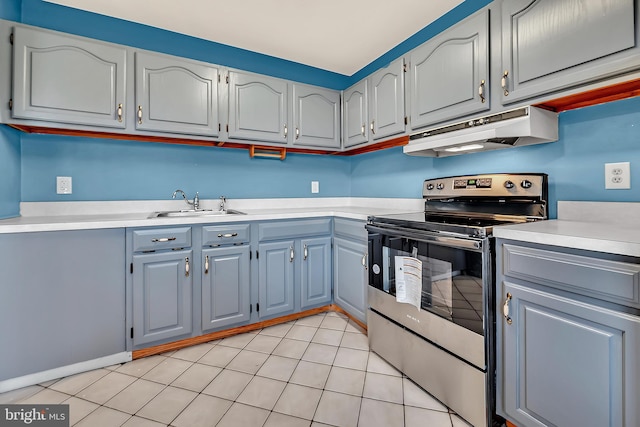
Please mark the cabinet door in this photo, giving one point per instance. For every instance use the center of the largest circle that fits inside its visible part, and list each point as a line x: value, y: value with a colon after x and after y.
x: 355, y: 115
x: 568, y: 363
x: 316, y: 117
x: 554, y: 44
x: 275, y: 277
x: 315, y: 282
x: 225, y: 286
x: 161, y: 296
x: 386, y: 100
x: 67, y: 79
x: 450, y: 73
x: 257, y: 108
x: 350, y: 276
x: 174, y: 95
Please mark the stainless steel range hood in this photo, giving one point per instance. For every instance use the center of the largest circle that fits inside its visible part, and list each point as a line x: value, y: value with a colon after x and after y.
x: 513, y: 128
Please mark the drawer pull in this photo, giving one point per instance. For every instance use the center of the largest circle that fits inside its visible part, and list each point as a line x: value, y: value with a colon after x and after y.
x: 364, y: 261
x: 120, y: 113
x: 206, y: 264
x: 227, y: 235
x: 305, y: 253
x: 505, y: 309
x: 163, y: 239
x: 481, y: 92
x: 503, y: 82
x: 291, y: 254
x: 139, y: 114
x: 186, y: 267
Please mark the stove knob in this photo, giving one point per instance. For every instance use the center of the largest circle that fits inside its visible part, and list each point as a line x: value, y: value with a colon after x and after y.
x: 429, y: 186
x: 509, y: 184
x: 526, y: 184
x: 440, y: 186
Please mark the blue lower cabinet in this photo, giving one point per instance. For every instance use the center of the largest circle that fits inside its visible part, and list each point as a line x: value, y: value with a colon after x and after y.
x: 276, y: 278
x: 315, y: 272
x: 226, y: 287
x: 162, y: 296
x: 350, y: 276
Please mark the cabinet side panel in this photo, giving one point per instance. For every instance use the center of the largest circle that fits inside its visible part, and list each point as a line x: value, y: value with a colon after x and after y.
x: 62, y: 299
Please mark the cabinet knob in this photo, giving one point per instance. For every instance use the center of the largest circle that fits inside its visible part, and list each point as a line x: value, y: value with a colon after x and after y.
x: 505, y: 309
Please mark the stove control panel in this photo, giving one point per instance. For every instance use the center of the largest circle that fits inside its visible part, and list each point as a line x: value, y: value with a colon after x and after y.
x: 494, y: 185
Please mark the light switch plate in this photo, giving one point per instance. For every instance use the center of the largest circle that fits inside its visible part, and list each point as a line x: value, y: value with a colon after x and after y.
x: 64, y: 185
x: 315, y: 187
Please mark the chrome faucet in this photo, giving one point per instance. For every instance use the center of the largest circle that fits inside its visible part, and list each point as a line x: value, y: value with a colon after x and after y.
x: 196, y: 199
x: 223, y: 200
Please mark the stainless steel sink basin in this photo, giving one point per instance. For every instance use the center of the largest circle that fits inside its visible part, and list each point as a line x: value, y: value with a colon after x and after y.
x: 193, y: 212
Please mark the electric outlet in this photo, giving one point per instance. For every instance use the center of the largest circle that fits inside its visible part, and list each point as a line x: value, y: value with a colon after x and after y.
x: 315, y: 187
x: 617, y: 176
x: 63, y: 185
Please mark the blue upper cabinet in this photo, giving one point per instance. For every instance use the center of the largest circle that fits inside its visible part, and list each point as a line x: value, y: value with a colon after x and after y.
x: 176, y: 95
x: 66, y: 79
x: 449, y: 75
x: 386, y: 101
x: 355, y: 115
x: 316, y: 117
x: 549, y: 45
x: 258, y: 108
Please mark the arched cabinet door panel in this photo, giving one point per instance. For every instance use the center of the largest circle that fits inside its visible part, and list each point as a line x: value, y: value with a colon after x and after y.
x: 66, y: 79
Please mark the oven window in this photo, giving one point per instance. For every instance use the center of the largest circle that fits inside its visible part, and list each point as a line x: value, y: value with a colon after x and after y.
x: 451, y: 279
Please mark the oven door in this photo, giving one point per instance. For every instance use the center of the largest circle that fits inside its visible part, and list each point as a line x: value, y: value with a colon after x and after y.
x: 437, y: 286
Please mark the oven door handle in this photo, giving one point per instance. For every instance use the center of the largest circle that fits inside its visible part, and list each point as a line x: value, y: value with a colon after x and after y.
x: 456, y: 242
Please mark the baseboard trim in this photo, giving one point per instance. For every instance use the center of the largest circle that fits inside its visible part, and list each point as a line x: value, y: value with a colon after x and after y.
x: 64, y: 371
x: 177, y: 345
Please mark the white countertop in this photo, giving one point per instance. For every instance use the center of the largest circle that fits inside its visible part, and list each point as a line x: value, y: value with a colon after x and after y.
x: 57, y: 216
x: 600, y: 233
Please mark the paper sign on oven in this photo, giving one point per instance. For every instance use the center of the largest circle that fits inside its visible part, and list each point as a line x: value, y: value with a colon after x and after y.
x: 408, y: 280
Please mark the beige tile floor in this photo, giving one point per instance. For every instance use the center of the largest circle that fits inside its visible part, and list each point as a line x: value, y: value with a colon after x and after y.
x: 316, y: 371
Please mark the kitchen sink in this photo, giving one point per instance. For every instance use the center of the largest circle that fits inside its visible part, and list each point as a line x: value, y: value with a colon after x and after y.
x: 193, y: 212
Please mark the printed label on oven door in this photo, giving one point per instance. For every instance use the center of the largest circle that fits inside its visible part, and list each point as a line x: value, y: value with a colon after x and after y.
x: 408, y: 280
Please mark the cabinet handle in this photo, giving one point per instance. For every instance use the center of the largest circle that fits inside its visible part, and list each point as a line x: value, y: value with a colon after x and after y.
x: 120, y: 113
x: 186, y: 267
x: 297, y: 133
x: 505, y: 309
x: 286, y: 131
x: 206, y: 264
x: 362, y: 130
x: 505, y: 75
x: 481, y: 91
x: 364, y: 262
x: 305, y: 253
x: 139, y: 114
x: 373, y: 127
x: 227, y: 235
x: 291, y: 254
x: 164, y: 239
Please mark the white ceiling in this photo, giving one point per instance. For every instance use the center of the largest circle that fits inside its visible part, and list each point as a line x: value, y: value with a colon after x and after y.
x: 342, y: 36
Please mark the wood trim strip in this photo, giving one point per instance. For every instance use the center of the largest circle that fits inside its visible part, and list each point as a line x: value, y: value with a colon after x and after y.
x: 510, y: 424
x: 353, y: 319
x: 593, y: 97
x: 395, y: 142
x: 177, y: 345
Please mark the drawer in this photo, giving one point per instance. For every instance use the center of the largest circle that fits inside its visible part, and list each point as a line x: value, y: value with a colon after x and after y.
x: 294, y: 229
x: 161, y: 238
x: 604, y: 279
x: 226, y: 234
x: 350, y: 229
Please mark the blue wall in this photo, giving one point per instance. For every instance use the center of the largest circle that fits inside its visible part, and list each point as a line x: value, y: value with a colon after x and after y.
x: 125, y: 170
x: 9, y: 172
x: 589, y: 138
